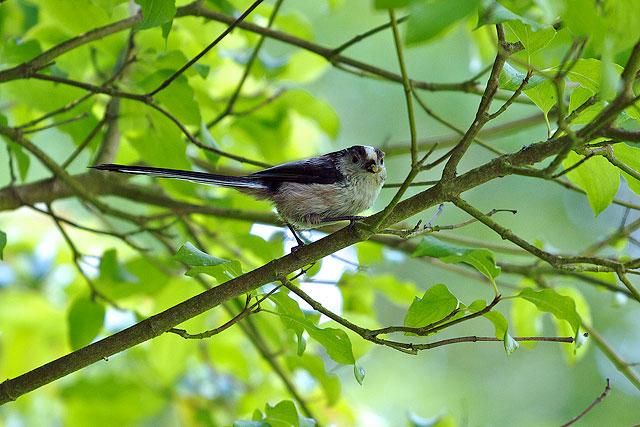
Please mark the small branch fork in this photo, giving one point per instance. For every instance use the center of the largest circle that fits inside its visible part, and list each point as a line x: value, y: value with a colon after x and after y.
x: 247, y: 310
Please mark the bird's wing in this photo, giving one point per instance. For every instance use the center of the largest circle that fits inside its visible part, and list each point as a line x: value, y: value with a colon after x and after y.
x: 317, y: 170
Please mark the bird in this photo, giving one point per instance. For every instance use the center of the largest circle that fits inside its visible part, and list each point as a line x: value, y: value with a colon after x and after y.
x: 306, y: 193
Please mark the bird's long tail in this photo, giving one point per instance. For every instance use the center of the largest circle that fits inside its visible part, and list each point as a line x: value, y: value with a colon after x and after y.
x: 239, y: 182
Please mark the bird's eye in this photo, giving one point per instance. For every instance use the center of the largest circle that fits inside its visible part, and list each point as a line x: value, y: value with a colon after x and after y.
x: 382, y: 161
x: 354, y: 159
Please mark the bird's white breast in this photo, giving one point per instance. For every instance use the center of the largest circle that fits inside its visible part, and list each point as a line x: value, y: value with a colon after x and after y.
x: 310, y: 204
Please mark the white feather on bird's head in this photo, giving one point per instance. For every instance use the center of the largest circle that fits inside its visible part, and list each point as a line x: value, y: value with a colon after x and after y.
x: 365, y: 161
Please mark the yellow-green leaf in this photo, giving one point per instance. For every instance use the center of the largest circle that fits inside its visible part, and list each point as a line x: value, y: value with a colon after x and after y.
x: 597, y: 177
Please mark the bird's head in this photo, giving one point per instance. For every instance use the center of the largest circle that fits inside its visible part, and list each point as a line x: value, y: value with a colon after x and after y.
x: 364, y: 159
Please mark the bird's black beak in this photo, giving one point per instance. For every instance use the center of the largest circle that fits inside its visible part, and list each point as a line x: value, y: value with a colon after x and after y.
x: 373, y: 167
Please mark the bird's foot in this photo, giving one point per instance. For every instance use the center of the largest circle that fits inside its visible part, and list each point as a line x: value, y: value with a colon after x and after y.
x: 353, y: 220
x: 298, y: 239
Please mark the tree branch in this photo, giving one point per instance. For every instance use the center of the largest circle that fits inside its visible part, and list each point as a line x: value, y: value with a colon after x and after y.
x: 590, y: 407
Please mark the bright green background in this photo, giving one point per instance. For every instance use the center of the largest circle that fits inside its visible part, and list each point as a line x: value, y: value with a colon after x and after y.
x: 170, y: 381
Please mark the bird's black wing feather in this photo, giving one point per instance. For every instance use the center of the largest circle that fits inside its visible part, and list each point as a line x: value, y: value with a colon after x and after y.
x: 317, y: 170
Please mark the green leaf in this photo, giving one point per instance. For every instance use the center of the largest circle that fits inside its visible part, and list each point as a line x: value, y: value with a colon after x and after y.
x: 597, y: 177
x: 563, y: 328
x: 156, y: 12
x: 630, y: 156
x: 16, y: 51
x: 431, y: 18
x: 544, y: 96
x: 511, y: 79
x: 85, y: 319
x: 179, y: 99
x: 526, y: 320
x: 578, y: 96
x: 290, y: 310
x: 583, y: 19
x: 548, y: 300
x: 3, y: 243
x: 202, y: 70
x: 203, y: 263
x: 588, y: 73
x: 284, y: 413
x: 502, y: 331
x: 491, y: 12
x: 482, y: 260
x: 499, y: 323
x: 335, y: 341
x: 532, y: 37
x: 166, y: 29
x: 435, y: 305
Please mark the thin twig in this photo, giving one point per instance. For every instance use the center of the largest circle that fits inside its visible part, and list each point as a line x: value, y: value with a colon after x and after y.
x: 366, y: 34
x: 597, y: 400
x: 229, y: 109
x: 204, y: 51
x: 55, y: 124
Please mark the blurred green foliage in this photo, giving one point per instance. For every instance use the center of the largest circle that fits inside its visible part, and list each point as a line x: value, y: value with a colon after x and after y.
x: 294, y: 104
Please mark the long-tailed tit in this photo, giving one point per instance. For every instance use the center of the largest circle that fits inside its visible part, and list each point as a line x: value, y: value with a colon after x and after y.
x: 332, y: 187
